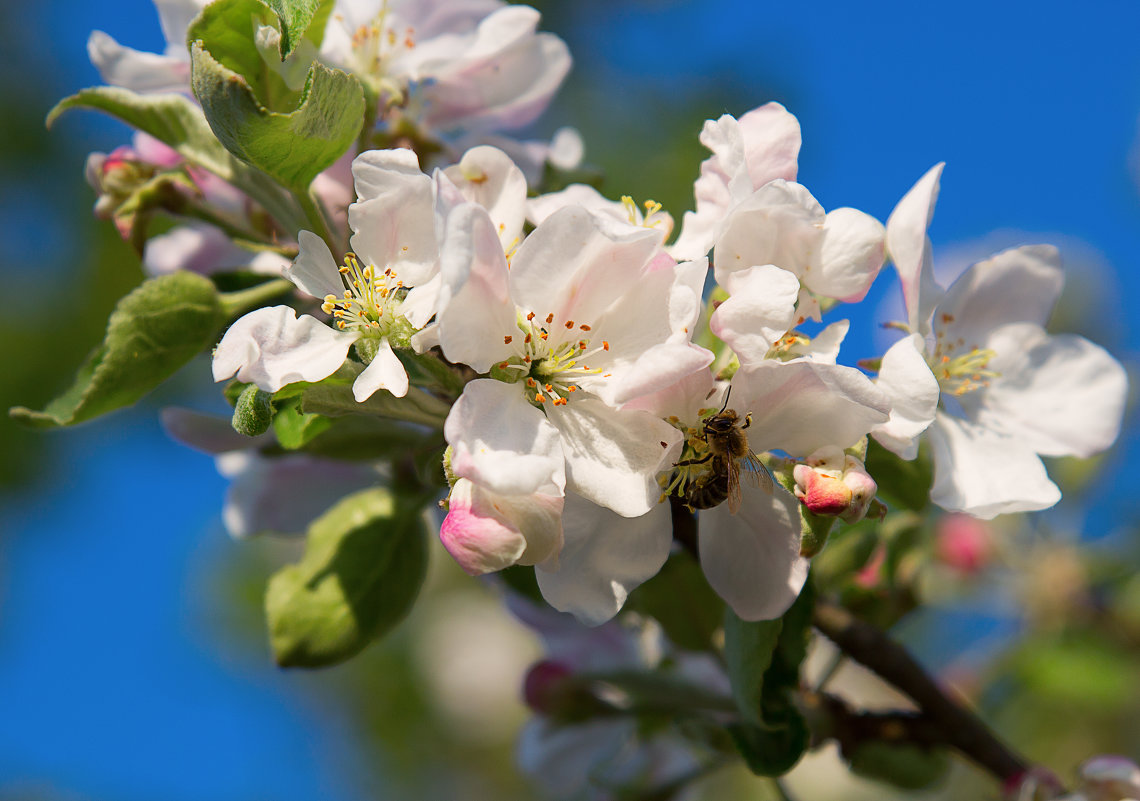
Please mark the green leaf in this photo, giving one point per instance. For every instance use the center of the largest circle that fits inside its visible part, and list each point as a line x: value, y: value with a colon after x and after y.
x: 770, y: 751
x: 152, y: 332
x: 291, y: 147
x: 177, y: 122
x: 301, y: 19
x: 904, y: 765
x: 364, y: 562
x: 355, y: 437
x: 905, y: 484
x: 295, y: 429
x: 229, y: 31
x: 681, y: 600
x: 748, y: 650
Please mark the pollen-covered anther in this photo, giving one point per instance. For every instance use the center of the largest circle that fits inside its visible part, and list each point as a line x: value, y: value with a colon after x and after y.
x: 550, y: 318
x: 507, y: 339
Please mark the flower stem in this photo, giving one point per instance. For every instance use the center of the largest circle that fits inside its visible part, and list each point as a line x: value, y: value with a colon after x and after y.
x: 242, y: 300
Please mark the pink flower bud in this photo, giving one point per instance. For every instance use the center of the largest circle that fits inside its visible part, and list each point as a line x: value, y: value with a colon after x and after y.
x: 962, y: 542
x: 831, y: 482
x: 545, y: 686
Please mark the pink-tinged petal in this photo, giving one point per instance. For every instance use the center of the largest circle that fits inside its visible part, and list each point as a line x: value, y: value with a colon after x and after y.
x: 272, y: 347
x: 476, y: 315
x: 199, y: 248
x: 485, y: 531
x: 1020, y: 285
x: 1060, y: 395
x: 284, y: 494
x: 910, y: 250
x: 760, y: 147
x: 421, y: 302
x: 984, y: 473
x: 851, y: 255
x: 760, y: 309
x: 752, y: 559
x: 577, y: 263
x: 487, y: 176
x: 913, y: 392
x: 314, y: 271
x: 208, y: 433
x: 604, y: 557
x: 780, y: 224
x: 613, y: 457
x: 503, y: 443
x: 660, y: 365
x: 136, y: 70
x: 503, y: 80
x: 384, y: 372
x: 802, y: 406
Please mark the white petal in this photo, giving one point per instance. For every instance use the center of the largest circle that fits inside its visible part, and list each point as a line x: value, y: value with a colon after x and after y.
x: 584, y: 195
x: 200, y: 248
x: 381, y: 172
x: 208, y: 433
x: 913, y: 391
x: 780, y: 224
x: 487, y: 176
x: 136, y: 70
x: 314, y: 271
x: 485, y: 531
x: 422, y: 302
x: 851, y: 255
x: 1020, y: 285
x: 983, y: 473
x: 1061, y: 395
x: 476, y: 312
x: 604, y: 557
x: 910, y: 250
x: 802, y: 406
x: 824, y: 346
x: 613, y: 457
x: 384, y: 372
x: 272, y: 347
x: 752, y: 559
x: 760, y: 309
x: 500, y: 441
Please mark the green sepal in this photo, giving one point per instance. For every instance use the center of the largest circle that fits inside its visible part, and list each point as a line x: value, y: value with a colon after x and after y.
x: 153, y: 331
x: 292, y: 147
x: 253, y: 411
x: 365, y: 560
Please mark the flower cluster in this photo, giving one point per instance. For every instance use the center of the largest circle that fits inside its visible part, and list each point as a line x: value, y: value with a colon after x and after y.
x: 416, y: 309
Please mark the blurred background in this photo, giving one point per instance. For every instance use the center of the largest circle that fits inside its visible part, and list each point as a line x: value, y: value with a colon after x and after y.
x: 133, y: 663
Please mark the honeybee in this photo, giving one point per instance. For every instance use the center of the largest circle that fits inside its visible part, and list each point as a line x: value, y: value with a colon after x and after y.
x: 728, y: 448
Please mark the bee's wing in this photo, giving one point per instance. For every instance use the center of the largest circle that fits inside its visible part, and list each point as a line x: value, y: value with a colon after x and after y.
x: 732, y: 473
x: 758, y: 474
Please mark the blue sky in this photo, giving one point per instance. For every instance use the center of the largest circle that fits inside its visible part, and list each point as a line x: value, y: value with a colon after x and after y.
x: 115, y: 681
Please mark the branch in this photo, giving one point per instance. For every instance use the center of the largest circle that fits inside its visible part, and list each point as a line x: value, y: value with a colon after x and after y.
x: 953, y: 724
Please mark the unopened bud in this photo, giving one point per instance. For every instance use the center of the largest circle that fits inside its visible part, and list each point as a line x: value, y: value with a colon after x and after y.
x: 962, y: 542
x: 115, y: 176
x: 834, y: 484
x: 253, y: 412
x: 545, y: 687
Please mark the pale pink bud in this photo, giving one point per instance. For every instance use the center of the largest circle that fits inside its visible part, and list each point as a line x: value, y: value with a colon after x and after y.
x: 545, y: 685
x: 962, y: 542
x: 831, y: 482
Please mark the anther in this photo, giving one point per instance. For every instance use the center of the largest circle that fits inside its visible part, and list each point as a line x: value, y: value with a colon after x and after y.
x: 550, y: 318
x: 507, y: 339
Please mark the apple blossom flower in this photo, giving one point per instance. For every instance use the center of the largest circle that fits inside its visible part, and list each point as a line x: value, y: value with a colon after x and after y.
x: 372, y: 298
x: 982, y: 380
x: 150, y: 72
x: 588, y: 315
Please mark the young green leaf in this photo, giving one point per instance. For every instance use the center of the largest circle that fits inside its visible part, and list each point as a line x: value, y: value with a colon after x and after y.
x: 291, y: 147
x: 748, y: 649
x: 301, y: 19
x: 364, y: 562
x: 152, y: 332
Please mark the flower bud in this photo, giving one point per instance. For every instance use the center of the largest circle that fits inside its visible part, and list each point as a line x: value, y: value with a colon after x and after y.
x: 115, y: 176
x: 962, y: 542
x: 253, y: 412
x: 545, y: 686
x: 833, y: 483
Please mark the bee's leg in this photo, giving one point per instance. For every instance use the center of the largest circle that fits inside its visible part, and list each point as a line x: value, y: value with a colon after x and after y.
x: 747, y: 421
x: 688, y: 462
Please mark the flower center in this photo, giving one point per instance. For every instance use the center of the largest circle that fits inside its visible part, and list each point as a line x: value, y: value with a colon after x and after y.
x: 371, y: 302
x: 650, y: 219
x: 964, y: 373
x: 551, y: 359
x: 374, y: 46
